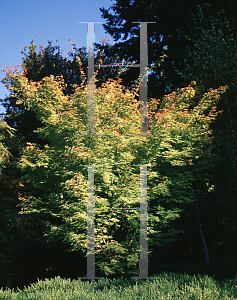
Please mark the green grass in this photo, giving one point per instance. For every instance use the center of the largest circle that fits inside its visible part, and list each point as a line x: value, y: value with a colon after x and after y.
x: 166, y: 286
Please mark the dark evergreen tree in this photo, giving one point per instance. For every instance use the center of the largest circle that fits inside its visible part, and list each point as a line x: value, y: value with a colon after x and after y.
x: 164, y: 37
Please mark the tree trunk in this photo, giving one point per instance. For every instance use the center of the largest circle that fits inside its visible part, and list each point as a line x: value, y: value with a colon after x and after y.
x: 203, y: 240
x: 230, y: 115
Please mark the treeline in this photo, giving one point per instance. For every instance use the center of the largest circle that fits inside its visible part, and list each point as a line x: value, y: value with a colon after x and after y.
x: 192, y: 188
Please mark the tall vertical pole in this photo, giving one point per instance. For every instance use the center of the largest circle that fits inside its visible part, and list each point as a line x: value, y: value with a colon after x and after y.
x: 90, y: 227
x: 143, y: 80
x: 143, y: 74
x: 143, y: 274
x: 91, y: 81
x: 143, y: 265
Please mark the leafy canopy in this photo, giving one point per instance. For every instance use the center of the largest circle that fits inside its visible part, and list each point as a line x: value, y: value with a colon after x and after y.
x: 182, y: 137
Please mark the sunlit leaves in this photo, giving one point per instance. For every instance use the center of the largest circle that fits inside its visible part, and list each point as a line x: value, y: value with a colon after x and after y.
x: 180, y: 131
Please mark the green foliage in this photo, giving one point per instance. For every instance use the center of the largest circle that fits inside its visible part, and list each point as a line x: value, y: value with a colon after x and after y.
x: 5, y: 132
x: 181, y: 132
x: 165, y: 36
x: 17, y: 231
x: 165, y: 286
x: 211, y: 61
x: 37, y: 65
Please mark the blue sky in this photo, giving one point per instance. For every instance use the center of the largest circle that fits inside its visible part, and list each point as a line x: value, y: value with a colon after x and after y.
x: 45, y: 20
